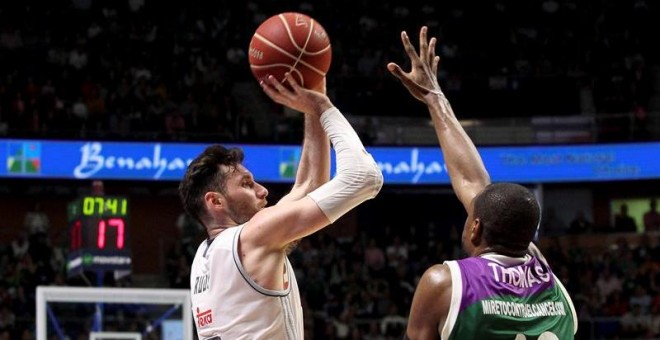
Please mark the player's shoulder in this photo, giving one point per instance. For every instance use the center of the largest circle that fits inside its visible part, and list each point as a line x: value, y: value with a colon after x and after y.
x: 437, y: 277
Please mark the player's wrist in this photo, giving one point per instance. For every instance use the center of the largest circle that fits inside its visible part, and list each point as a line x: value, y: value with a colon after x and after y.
x: 435, y: 100
x: 321, y: 106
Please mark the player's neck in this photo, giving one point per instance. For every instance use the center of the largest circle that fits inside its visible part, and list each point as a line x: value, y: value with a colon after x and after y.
x: 497, y: 250
x: 214, y: 230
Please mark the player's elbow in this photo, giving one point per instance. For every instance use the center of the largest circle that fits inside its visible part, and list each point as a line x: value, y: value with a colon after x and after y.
x: 352, y: 185
x: 378, y: 180
x: 365, y: 177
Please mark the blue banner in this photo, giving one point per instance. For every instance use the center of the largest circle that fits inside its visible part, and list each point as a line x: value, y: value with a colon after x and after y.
x: 278, y: 163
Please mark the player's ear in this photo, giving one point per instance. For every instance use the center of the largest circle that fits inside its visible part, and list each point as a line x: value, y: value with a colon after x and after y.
x: 213, y: 200
x: 476, y: 231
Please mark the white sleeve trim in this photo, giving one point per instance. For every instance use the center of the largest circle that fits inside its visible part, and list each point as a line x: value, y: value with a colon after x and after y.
x: 456, y: 298
x: 570, y: 303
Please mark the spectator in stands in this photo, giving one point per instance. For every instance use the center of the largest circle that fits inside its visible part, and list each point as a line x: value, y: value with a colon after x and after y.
x: 7, y: 317
x: 654, y: 324
x: 607, y: 283
x: 20, y: 245
x: 652, y: 217
x: 644, y: 248
x: 615, y: 305
x: 207, y: 53
x: 189, y: 229
x: 551, y: 224
x: 173, y: 264
x: 36, y: 222
x: 374, y: 332
x: 580, y: 224
x: 393, y: 324
x: 641, y: 298
x: 397, y: 252
x: 374, y: 258
x: 623, y: 223
x: 634, y: 323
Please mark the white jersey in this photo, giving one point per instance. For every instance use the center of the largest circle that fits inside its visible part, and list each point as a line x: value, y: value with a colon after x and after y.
x: 228, y: 304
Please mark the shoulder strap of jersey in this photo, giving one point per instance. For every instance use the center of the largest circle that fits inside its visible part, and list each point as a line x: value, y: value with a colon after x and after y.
x: 456, y: 298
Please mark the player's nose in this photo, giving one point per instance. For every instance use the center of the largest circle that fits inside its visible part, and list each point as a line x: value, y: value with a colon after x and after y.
x: 262, y: 192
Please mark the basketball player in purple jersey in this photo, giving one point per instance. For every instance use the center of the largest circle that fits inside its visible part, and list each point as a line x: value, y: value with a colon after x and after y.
x: 505, y: 289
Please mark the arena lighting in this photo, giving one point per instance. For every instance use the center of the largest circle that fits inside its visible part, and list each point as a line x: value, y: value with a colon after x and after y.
x: 41, y: 159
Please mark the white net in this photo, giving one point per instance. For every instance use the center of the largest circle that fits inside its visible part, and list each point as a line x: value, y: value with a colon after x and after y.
x: 113, y: 313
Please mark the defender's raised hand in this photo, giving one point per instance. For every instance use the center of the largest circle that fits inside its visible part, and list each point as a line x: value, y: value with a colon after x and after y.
x: 421, y: 81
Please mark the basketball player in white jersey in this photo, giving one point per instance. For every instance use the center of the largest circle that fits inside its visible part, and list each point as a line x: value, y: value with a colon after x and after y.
x: 242, y: 284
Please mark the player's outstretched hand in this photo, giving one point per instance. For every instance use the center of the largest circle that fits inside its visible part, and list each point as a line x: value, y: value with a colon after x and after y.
x: 422, y: 80
x: 297, y: 97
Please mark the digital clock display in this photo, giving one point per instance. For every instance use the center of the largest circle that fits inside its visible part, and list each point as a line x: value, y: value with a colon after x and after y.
x: 99, y: 206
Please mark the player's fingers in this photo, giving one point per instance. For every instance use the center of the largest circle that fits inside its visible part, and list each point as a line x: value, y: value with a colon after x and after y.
x: 292, y: 81
x: 409, y: 48
x: 274, y: 89
x: 431, y: 53
x: 276, y: 84
x: 395, y: 70
x: 423, y: 45
x: 286, y: 94
x: 320, y: 88
x: 434, y: 66
x: 268, y: 89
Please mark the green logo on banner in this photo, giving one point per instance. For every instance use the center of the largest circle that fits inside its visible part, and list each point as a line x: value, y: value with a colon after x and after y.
x: 289, y: 159
x: 87, y: 259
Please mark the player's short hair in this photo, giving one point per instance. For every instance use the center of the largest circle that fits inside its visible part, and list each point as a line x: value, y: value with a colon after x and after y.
x: 509, y: 215
x: 204, y: 175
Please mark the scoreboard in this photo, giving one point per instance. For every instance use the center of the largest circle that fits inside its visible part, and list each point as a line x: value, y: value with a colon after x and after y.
x: 98, y: 234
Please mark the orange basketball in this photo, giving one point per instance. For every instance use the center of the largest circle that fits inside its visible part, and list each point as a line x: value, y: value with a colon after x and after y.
x: 291, y: 42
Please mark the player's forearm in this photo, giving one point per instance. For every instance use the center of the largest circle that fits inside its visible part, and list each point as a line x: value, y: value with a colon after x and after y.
x: 358, y: 176
x: 466, y: 168
x: 314, y: 166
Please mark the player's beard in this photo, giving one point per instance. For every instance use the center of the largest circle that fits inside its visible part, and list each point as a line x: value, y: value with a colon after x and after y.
x: 240, y: 211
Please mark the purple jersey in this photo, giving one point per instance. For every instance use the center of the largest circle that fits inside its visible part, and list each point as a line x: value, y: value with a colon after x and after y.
x: 500, y: 297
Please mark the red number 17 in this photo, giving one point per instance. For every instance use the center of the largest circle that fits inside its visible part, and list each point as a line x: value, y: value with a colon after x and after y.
x: 113, y: 222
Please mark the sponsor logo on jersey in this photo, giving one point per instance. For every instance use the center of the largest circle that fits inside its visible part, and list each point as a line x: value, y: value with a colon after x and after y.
x: 523, y: 310
x: 204, y: 318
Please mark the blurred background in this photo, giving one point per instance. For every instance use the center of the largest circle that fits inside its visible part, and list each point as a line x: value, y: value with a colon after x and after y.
x: 524, y: 76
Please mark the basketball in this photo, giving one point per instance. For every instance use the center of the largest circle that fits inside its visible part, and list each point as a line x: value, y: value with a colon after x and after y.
x: 291, y: 42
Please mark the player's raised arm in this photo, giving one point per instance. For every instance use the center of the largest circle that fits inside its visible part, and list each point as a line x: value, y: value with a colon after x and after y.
x: 314, y: 164
x: 466, y: 169
x: 358, y: 177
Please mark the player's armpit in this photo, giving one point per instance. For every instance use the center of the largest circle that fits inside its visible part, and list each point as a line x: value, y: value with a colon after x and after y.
x: 430, y: 304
